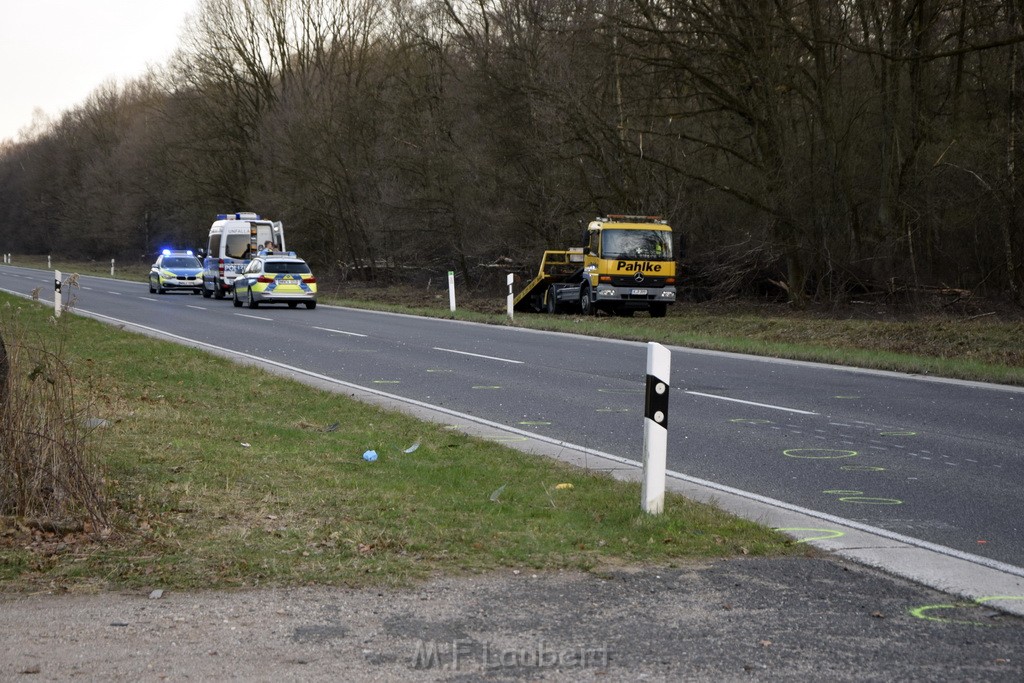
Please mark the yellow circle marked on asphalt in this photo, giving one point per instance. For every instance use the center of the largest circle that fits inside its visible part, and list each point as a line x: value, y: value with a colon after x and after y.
x: 823, y: 453
x: 920, y: 613
x: 827, y: 533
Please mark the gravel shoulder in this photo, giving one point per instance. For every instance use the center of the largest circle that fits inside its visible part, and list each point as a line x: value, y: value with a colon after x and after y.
x: 803, y: 618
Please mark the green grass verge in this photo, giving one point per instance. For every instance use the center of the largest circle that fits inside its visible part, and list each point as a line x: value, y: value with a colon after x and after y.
x: 223, y: 475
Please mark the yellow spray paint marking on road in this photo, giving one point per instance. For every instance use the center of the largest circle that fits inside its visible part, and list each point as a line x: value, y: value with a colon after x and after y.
x: 897, y: 433
x: 843, y: 492
x: 828, y: 533
x: 818, y: 453
x: 922, y: 612
x: 613, y: 410
x: 751, y: 421
x: 862, y: 468
x: 865, y: 500
x: 846, y: 398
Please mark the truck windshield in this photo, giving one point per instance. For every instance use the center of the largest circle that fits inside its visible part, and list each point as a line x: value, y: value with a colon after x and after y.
x: 643, y: 244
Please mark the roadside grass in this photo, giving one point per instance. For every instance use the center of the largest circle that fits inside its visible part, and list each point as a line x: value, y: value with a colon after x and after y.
x: 972, y: 343
x: 223, y: 475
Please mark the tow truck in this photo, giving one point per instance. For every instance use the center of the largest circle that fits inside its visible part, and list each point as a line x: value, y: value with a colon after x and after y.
x: 626, y: 265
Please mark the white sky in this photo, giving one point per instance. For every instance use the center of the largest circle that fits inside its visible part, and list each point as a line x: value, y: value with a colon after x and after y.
x: 54, y: 53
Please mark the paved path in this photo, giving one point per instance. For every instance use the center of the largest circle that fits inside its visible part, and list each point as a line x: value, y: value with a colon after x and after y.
x: 786, y: 619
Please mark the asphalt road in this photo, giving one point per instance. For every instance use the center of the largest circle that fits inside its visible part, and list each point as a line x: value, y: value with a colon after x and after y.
x: 936, y: 460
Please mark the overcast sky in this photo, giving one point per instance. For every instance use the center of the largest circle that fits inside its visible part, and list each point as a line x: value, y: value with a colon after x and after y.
x: 53, y: 53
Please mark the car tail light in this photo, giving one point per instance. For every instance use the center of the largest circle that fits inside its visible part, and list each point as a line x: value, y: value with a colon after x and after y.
x: 309, y: 279
x: 264, y: 279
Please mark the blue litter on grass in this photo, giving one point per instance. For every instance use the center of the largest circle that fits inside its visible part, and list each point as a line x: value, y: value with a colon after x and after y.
x: 370, y: 456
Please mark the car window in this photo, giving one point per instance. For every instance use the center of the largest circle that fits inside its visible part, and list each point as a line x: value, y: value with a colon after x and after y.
x: 254, y: 267
x: 181, y: 262
x: 297, y: 267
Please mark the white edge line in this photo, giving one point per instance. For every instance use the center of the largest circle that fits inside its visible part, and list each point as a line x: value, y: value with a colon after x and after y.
x: 479, y: 355
x: 198, y: 308
x: 327, y: 329
x: 750, y: 403
x: 824, y: 516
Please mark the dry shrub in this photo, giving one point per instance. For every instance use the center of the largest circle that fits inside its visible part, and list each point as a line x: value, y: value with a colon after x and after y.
x: 48, y: 476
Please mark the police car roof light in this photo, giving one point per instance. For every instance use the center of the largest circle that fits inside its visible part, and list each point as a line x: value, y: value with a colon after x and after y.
x: 239, y: 216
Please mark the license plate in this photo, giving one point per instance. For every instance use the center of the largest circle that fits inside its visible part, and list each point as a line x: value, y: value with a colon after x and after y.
x: 638, y: 292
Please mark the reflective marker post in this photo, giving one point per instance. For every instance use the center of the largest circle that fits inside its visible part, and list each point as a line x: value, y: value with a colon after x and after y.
x: 510, y: 279
x: 451, y: 290
x: 111, y: 267
x: 56, y: 294
x: 659, y: 368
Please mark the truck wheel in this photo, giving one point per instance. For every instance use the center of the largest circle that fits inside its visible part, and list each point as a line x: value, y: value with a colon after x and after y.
x: 586, y: 306
x: 659, y: 310
x: 551, y: 306
x: 218, y: 293
x: 205, y: 291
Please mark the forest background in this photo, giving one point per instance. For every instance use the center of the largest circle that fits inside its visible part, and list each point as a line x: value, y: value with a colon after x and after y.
x: 811, y: 150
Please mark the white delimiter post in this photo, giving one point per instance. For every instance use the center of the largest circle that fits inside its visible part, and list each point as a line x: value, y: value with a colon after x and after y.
x: 451, y: 290
x: 510, y: 279
x: 56, y: 294
x: 659, y: 368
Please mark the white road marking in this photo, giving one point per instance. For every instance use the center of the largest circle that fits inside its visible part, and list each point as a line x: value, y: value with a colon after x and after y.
x: 254, y: 317
x: 114, y: 293
x: 477, y: 355
x: 752, y: 403
x: 198, y: 308
x: 327, y: 329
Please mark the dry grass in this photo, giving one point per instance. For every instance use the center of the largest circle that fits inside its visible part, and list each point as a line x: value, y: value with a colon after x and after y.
x: 49, y: 478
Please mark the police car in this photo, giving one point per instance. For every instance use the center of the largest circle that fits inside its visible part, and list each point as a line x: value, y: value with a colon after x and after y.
x: 275, y: 278
x: 176, y: 270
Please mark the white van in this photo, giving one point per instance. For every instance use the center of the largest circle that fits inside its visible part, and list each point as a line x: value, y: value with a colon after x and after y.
x: 234, y: 239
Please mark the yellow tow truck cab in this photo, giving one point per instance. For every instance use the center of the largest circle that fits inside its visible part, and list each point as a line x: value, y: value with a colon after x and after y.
x: 626, y: 265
